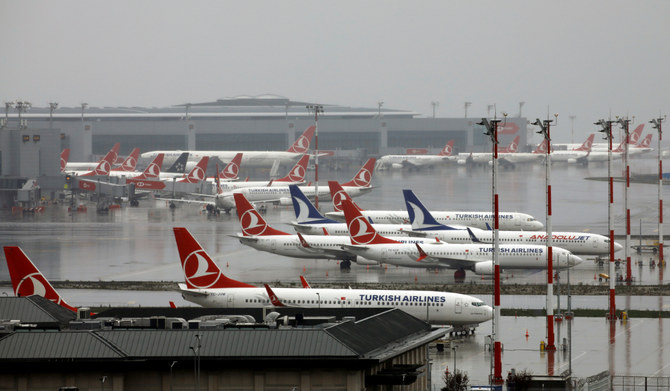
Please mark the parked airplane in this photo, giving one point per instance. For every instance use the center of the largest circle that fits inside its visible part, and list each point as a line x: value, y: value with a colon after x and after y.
x: 129, y: 163
x: 251, y: 158
x: 642, y: 147
x: 206, y: 285
x: 424, y: 225
x: 576, y: 155
x: 417, y: 161
x: 633, y: 138
x: 295, y: 175
x: 103, y: 168
x: 485, y: 157
x: 27, y: 280
x: 366, y: 242
x: 86, y: 166
x: 526, y: 157
x: 507, y: 220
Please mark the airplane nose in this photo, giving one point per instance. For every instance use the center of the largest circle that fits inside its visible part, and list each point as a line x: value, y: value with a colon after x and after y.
x: 617, y: 247
x: 489, y: 312
x: 574, y: 260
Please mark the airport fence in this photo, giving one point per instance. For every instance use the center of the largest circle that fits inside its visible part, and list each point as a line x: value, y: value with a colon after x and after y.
x: 640, y: 383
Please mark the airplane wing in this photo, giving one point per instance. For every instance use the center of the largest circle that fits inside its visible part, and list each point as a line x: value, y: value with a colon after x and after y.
x: 245, y: 239
x: 192, y: 292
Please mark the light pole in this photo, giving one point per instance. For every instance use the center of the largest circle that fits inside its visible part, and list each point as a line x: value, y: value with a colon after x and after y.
x: 21, y: 107
x: 657, y: 124
x: 521, y: 107
x: 196, y: 361
x: 545, y: 130
x: 625, y: 124
x: 606, y: 128
x: 435, y: 104
x: 492, y: 132
x: 52, y: 106
x: 467, y: 104
x: 8, y: 105
x: 317, y: 109
x: 379, y: 108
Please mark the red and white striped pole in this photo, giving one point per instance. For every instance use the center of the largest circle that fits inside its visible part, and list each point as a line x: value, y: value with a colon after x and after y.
x: 607, y: 129
x: 657, y: 122
x: 625, y: 124
x: 546, y: 132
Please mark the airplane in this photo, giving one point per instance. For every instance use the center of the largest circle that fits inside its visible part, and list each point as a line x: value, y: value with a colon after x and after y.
x: 642, y: 147
x: 476, y: 257
x: 27, y: 280
x: 86, y: 166
x: 256, y: 233
x: 206, y: 285
x: 103, y: 168
x: 633, y: 138
x: 424, y: 225
x: 251, y: 158
x: 310, y: 221
x: 417, y: 161
x: 526, y: 157
x: 508, y: 221
x: 295, y: 175
x: 485, y: 157
x: 576, y: 155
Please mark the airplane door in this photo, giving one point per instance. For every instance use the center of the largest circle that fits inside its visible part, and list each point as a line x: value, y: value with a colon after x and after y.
x: 458, y: 307
x: 273, y: 246
x: 230, y: 301
x: 385, y: 254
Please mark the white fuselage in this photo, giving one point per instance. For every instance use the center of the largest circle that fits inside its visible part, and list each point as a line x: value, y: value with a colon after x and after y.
x: 281, y: 194
x: 486, y: 157
x: 509, y: 221
x: 466, y: 256
x: 249, y: 158
x: 341, y: 229
x: 408, y: 161
x: 320, y: 246
x: 444, y: 308
x: 579, y: 243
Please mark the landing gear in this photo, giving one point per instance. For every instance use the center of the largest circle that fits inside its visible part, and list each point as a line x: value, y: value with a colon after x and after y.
x: 213, y: 210
x: 134, y: 203
x: 345, y: 265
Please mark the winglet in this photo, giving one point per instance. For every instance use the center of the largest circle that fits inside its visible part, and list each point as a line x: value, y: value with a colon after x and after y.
x: 273, y: 297
x: 303, y: 242
x: 422, y: 254
x: 172, y: 304
x: 27, y: 280
x: 472, y: 236
x: 304, y: 282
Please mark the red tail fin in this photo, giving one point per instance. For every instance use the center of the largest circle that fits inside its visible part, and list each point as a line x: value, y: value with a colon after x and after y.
x: 298, y: 172
x: 64, y: 156
x: 200, y: 271
x: 363, y: 177
x: 304, y: 282
x: 620, y: 147
x: 645, y: 142
x: 115, y: 152
x: 105, y: 165
x: 27, y: 280
x: 360, y: 229
x: 587, y: 144
x: 130, y: 162
x: 301, y: 145
x: 542, y: 147
x: 338, y: 194
x: 273, y: 298
x: 634, y: 136
x: 232, y: 169
x: 198, y: 173
x: 253, y: 224
x: 448, y: 149
x: 513, y: 147
x: 153, y: 170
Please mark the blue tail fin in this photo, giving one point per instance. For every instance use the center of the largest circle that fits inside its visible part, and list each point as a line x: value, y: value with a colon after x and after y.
x: 420, y: 218
x: 179, y: 165
x: 488, y: 227
x: 305, y: 212
x: 473, y: 237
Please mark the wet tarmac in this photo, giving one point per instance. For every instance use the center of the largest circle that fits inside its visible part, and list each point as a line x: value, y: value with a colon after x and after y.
x: 137, y: 244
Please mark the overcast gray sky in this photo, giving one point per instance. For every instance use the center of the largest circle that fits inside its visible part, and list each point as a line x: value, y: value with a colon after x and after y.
x: 582, y: 58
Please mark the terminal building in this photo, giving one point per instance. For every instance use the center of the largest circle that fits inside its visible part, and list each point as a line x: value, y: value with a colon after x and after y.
x: 32, y: 138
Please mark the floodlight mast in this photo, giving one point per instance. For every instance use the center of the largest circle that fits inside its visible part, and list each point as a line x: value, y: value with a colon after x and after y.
x: 317, y: 109
x: 545, y: 130
x: 492, y: 132
x: 625, y: 124
x: 606, y: 129
x: 657, y: 124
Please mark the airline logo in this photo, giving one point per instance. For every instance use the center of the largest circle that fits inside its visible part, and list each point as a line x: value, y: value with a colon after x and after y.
x: 560, y: 237
x: 198, y: 270
x: 634, y: 137
x: 196, y: 175
x: 252, y: 223
x: 646, y: 142
x: 419, y: 217
x: 303, y: 210
x: 588, y: 143
x: 513, y: 147
x: 363, y: 178
x: 63, y: 163
x: 297, y: 174
x: 231, y: 170
x: 337, y: 199
x: 86, y: 185
x: 513, y: 250
x: 129, y: 164
x: 361, y: 232
x: 152, y: 185
x: 103, y: 168
x: 542, y: 148
x: 34, y: 284
x: 447, y: 150
x: 301, y: 144
x: 153, y: 171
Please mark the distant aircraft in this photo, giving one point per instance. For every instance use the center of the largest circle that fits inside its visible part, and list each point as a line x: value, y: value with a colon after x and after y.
x: 417, y: 161
x: 424, y: 225
x: 103, y: 168
x: 575, y: 155
x: 129, y: 163
x: 206, y: 285
x: 27, y: 280
x: 87, y: 166
x: 485, y: 157
x: 507, y: 220
x: 633, y: 138
x: 368, y: 243
x: 251, y: 158
x: 295, y: 175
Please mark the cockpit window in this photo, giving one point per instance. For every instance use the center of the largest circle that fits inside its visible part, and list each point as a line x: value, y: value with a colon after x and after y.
x: 477, y: 303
